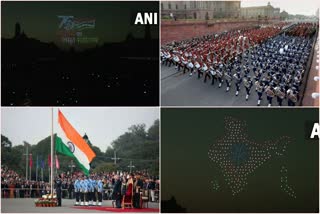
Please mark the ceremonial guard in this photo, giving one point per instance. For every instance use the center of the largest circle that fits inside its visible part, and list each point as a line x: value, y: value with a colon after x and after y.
x: 99, y: 191
x: 84, y: 191
x: 90, y: 191
x: 77, y: 189
x: 94, y: 185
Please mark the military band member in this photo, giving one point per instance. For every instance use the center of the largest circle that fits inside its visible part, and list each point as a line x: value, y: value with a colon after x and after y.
x: 184, y: 62
x: 213, y: 74
x: 280, y: 93
x: 206, y: 72
x: 238, y: 80
x: 190, y: 67
x: 176, y: 60
x: 259, y: 89
x: 219, y: 75
x: 248, y: 85
x: 292, y: 96
x: 167, y: 58
x: 99, y: 191
x: 197, y: 65
x: 228, y: 78
x: 270, y: 94
x: 77, y: 188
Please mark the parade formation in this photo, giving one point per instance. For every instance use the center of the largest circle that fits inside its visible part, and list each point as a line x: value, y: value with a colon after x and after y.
x: 272, y: 59
x: 87, y: 189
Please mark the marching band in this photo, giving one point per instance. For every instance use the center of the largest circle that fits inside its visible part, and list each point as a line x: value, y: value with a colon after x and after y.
x: 275, y: 57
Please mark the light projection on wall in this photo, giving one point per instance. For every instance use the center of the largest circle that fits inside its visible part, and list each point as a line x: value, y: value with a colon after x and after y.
x: 238, y: 156
x: 74, y: 31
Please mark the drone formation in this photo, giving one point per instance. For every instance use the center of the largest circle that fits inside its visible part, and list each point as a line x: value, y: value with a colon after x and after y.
x: 284, y: 183
x: 238, y: 157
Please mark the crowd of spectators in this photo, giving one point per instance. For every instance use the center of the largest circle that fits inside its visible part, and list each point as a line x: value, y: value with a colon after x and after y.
x: 14, y: 185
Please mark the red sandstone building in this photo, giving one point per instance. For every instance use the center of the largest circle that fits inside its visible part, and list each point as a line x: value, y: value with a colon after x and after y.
x: 203, y: 10
x: 268, y: 12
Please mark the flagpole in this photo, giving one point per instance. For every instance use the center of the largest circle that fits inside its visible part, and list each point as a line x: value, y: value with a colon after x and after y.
x: 51, y: 175
x: 30, y: 156
x: 37, y: 170
x: 27, y: 156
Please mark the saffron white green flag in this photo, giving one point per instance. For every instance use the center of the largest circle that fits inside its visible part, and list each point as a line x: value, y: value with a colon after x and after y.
x: 70, y: 143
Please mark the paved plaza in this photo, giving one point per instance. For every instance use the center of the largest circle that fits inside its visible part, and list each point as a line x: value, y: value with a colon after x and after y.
x: 26, y: 205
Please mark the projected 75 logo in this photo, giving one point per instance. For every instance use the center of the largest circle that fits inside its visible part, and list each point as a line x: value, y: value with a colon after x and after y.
x: 70, y: 23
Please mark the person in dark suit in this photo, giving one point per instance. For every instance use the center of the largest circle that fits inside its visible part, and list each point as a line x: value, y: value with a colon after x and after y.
x: 117, y: 191
x: 138, y: 184
x: 58, y: 185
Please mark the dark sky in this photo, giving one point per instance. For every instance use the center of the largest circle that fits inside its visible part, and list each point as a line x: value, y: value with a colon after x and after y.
x: 187, y: 172
x: 39, y: 19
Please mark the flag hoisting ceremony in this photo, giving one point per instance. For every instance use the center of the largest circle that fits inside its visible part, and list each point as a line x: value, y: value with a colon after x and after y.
x: 59, y: 166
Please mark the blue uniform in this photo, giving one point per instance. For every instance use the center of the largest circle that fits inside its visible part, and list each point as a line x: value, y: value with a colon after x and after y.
x: 77, y: 188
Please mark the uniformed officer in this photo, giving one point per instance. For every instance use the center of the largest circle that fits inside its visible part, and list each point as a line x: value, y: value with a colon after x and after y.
x: 99, y: 191
x: 83, y: 191
x: 58, y: 184
x: 77, y: 188
x: 86, y: 191
x: 94, y: 191
x: 90, y: 190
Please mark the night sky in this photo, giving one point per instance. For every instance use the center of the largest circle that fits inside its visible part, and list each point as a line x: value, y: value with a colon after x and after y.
x: 187, y: 172
x: 39, y: 19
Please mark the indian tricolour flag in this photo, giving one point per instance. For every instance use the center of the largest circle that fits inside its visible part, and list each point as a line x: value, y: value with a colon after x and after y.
x: 70, y: 143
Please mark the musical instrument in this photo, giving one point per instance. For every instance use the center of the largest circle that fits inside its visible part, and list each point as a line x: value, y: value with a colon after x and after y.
x: 292, y: 96
x: 270, y: 92
x: 228, y: 77
x: 259, y: 87
x: 279, y: 93
x: 219, y: 74
x: 246, y: 83
x: 204, y: 68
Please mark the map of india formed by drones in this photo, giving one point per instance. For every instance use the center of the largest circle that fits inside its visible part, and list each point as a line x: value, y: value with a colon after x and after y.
x: 238, y: 157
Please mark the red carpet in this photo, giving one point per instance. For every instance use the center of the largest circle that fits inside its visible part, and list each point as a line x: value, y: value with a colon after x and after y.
x: 126, y: 210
